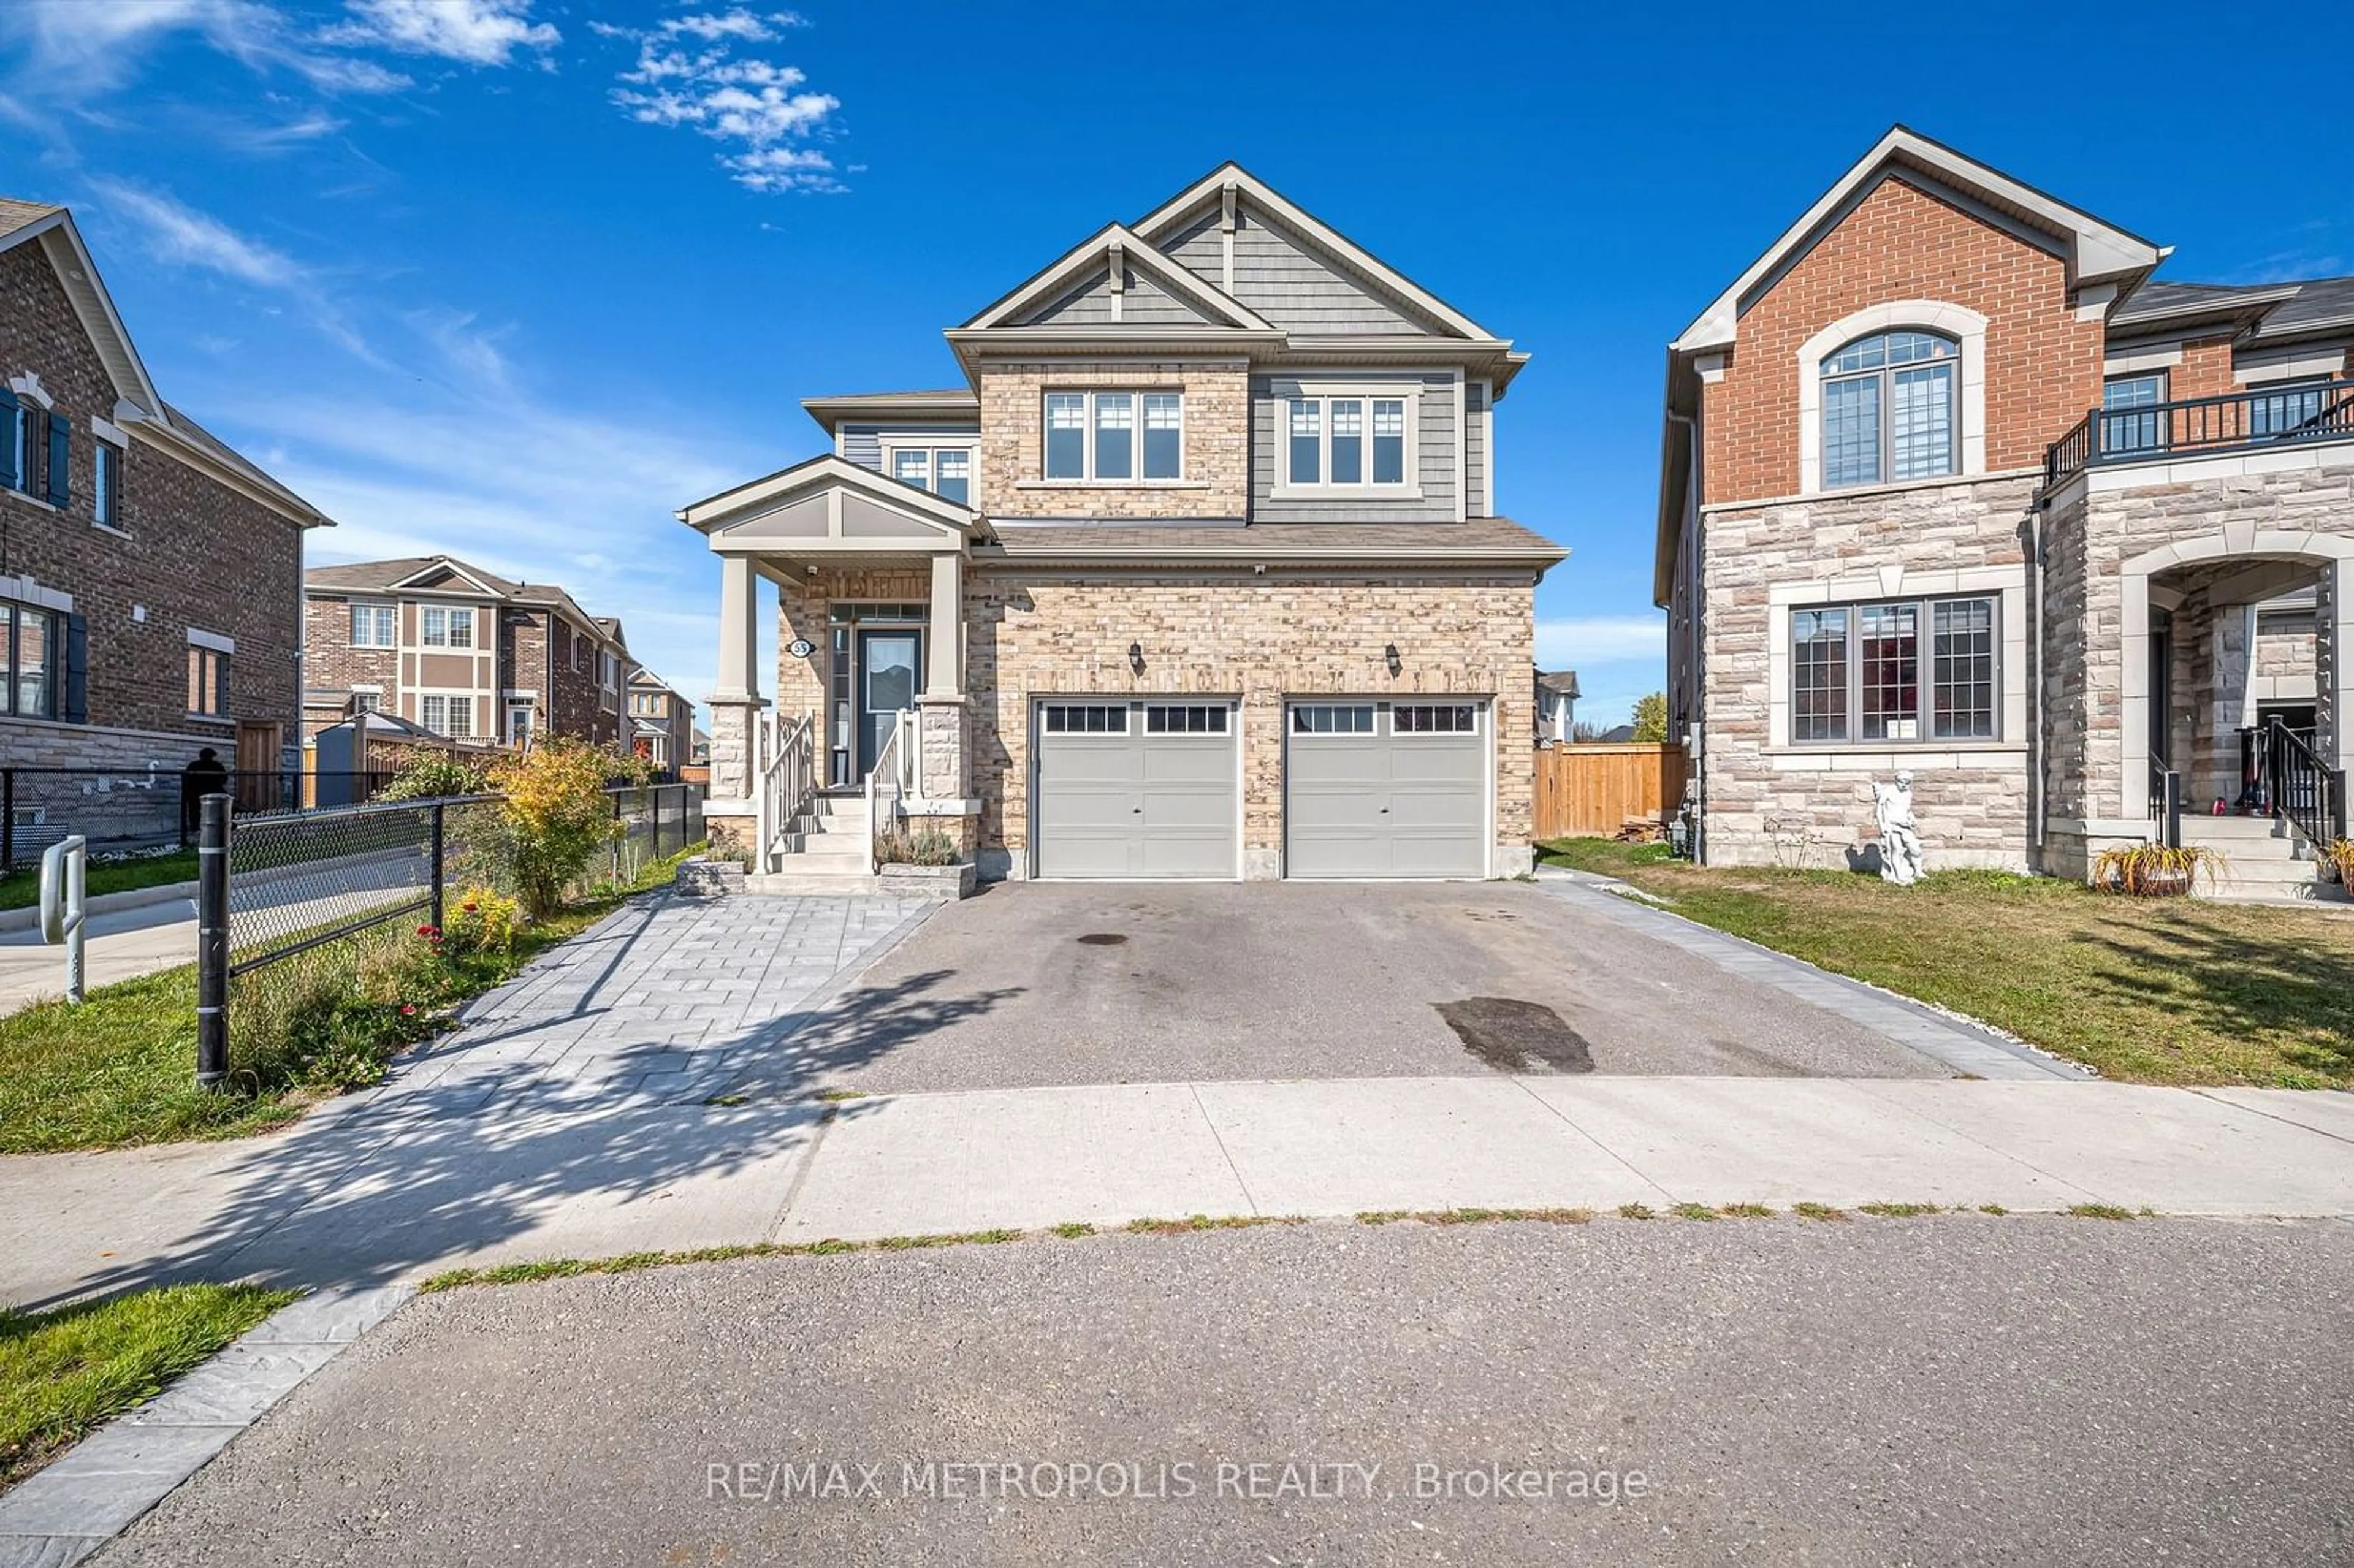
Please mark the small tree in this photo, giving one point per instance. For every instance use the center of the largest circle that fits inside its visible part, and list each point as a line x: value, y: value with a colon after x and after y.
x: 1650, y: 718
x: 556, y: 817
x: 426, y: 775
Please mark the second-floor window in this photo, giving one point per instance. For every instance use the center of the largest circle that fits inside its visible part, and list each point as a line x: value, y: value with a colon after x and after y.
x: 2279, y: 407
x: 946, y: 471
x: 2129, y: 415
x: 372, y: 626
x: 608, y: 671
x: 106, y: 491
x: 1115, y: 437
x: 36, y: 450
x: 1345, y: 442
x: 446, y: 628
x: 1890, y: 409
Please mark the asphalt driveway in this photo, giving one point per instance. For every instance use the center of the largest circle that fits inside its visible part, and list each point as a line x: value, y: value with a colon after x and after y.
x: 1047, y: 983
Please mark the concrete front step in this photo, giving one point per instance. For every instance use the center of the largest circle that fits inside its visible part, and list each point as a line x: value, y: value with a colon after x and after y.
x: 797, y: 884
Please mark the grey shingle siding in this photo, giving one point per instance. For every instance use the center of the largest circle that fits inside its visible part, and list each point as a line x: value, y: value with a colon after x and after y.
x: 1435, y: 455
x: 1279, y: 277
x: 862, y: 444
x: 1090, y: 304
x: 1475, y: 449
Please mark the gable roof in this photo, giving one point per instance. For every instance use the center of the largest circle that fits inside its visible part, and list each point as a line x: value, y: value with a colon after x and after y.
x: 715, y: 513
x: 400, y: 573
x: 1562, y: 681
x: 1173, y: 214
x: 2095, y: 250
x: 139, y: 406
x: 1113, y: 244
x: 948, y: 403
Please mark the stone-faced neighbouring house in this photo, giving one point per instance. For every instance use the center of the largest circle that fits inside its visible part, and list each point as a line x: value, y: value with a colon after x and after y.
x: 1951, y: 485
x: 151, y: 577
x: 1199, y: 573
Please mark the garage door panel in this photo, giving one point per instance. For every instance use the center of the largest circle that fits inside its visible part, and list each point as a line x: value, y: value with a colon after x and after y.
x: 1381, y: 804
x: 1138, y: 804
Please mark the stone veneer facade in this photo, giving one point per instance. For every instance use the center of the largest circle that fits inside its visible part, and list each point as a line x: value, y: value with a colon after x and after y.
x: 1216, y: 480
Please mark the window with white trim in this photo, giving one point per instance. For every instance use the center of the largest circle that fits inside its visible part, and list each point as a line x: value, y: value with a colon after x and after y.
x: 1434, y: 718
x: 374, y: 626
x: 447, y: 714
x: 946, y: 471
x: 367, y: 702
x: 1185, y: 718
x: 445, y: 626
x: 1333, y: 718
x: 2129, y: 416
x: 1114, y: 438
x: 1357, y: 441
x: 29, y: 646
x: 1895, y: 673
x: 1891, y: 409
x: 1084, y: 718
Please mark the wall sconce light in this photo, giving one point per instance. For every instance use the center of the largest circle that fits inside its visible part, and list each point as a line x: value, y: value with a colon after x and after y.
x: 1136, y: 657
x: 1390, y: 657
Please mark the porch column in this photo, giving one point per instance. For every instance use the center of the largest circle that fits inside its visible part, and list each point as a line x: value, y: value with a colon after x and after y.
x: 735, y: 706
x: 2134, y: 731
x: 943, y: 773
x: 2333, y: 642
x: 944, y: 668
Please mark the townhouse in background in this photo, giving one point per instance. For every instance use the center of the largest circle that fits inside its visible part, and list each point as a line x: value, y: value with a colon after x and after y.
x: 1198, y: 574
x: 1952, y: 483
x: 462, y: 651
x: 660, y: 721
x: 151, y: 578
x: 1556, y: 700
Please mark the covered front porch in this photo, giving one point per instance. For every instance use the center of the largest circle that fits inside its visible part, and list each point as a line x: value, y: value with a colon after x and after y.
x: 870, y: 703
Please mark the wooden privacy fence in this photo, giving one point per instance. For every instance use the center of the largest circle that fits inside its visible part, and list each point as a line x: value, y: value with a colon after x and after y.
x: 1595, y: 789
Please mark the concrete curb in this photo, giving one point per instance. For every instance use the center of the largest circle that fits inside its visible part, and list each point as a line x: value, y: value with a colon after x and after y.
x: 30, y: 918
x: 92, y: 1493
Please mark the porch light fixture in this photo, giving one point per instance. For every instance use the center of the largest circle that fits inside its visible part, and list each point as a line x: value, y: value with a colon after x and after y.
x: 1390, y: 657
x: 1136, y: 657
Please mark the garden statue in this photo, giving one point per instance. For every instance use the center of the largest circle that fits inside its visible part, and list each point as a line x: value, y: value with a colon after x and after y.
x: 1900, y: 835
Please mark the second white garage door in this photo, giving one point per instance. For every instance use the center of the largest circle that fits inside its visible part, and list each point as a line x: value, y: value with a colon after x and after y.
x: 1386, y: 789
x: 1138, y: 790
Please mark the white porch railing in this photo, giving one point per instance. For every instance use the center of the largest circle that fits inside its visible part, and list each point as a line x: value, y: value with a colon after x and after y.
x: 786, y: 764
x: 892, y: 779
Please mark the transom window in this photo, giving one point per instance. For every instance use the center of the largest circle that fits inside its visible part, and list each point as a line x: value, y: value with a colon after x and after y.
x: 946, y: 471
x: 1892, y: 673
x: 443, y: 627
x: 1434, y: 718
x: 1085, y: 718
x: 372, y: 626
x: 1333, y: 718
x: 1185, y: 718
x: 1115, y: 437
x: 1889, y: 409
x: 1353, y: 443
x: 2129, y: 416
x: 451, y: 716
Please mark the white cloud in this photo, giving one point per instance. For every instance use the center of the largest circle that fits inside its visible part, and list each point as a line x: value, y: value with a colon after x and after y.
x: 72, y: 52
x: 181, y: 235
x: 475, y: 32
x: 1575, y: 641
x: 764, y: 109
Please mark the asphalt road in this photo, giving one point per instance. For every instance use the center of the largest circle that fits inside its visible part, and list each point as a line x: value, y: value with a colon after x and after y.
x: 1959, y: 1389
x: 1230, y: 981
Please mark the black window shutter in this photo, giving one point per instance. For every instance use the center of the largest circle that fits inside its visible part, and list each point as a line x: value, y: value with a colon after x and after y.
x: 60, y: 454
x: 11, y: 416
x: 74, y: 706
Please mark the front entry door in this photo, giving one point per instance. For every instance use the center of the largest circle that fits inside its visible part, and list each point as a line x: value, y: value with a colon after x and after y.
x: 888, y: 663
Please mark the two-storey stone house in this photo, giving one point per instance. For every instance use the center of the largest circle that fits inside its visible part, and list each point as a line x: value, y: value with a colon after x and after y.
x: 1198, y: 574
x: 150, y: 577
x: 660, y: 721
x: 1952, y: 483
x: 465, y: 653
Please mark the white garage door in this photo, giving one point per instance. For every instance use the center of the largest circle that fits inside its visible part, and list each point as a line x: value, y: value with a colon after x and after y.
x: 1138, y: 790
x: 1376, y: 790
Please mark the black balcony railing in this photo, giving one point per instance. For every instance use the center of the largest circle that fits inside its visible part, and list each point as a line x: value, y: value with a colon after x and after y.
x: 2241, y: 421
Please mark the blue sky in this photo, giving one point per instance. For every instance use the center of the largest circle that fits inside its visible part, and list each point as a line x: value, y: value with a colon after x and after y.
x: 513, y: 279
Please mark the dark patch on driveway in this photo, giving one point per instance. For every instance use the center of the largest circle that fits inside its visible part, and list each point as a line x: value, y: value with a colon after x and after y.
x: 1102, y: 940
x: 1517, y: 1036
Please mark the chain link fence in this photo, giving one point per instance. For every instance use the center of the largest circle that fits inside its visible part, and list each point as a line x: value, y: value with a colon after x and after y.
x: 657, y: 820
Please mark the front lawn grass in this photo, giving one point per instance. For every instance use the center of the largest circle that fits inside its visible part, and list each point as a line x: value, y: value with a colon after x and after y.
x: 21, y: 889
x: 63, y: 1373
x: 119, y: 1069
x: 2147, y: 990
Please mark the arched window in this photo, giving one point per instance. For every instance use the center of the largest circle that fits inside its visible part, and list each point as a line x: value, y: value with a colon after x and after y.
x: 1889, y: 409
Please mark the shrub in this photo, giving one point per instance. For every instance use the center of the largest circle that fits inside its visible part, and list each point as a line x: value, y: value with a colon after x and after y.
x: 2340, y: 855
x: 432, y: 775
x: 555, y: 819
x: 927, y: 846
x: 2153, y: 871
x: 483, y: 921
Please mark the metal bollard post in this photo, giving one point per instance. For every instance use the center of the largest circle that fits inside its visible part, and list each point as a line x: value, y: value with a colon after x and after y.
x: 436, y: 871
x: 62, y: 867
x: 212, y: 942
